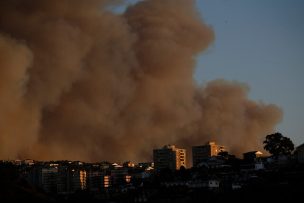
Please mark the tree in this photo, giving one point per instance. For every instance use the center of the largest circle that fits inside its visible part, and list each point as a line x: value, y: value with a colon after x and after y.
x: 276, y: 144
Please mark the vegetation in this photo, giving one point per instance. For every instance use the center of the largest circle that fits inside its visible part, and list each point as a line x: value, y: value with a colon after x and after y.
x: 276, y: 144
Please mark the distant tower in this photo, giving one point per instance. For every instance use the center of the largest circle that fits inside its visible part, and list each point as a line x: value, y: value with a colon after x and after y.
x: 169, y: 157
x: 199, y: 153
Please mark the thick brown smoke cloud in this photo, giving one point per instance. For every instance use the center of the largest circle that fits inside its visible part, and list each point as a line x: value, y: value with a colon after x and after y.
x: 80, y: 82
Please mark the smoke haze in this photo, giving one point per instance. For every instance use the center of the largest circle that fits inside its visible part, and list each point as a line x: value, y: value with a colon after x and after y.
x: 80, y: 82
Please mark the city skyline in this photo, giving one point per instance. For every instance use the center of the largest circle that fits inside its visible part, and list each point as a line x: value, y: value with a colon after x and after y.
x: 214, y: 175
x: 79, y: 80
x: 151, y: 101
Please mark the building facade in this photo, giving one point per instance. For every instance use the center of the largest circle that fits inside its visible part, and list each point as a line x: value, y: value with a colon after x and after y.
x: 49, y: 179
x: 201, y: 153
x: 169, y: 157
x: 120, y: 176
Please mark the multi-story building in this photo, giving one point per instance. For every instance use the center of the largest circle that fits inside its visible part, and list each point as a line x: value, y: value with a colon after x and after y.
x: 120, y: 176
x: 201, y: 153
x: 106, y: 181
x: 63, y: 184
x: 78, y: 179
x: 49, y: 179
x: 97, y: 181
x: 70, y: 180
x: 169, y: 157
x: 94, y: 181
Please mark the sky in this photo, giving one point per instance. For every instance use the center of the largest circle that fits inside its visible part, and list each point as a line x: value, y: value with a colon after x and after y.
x: 260, y: 43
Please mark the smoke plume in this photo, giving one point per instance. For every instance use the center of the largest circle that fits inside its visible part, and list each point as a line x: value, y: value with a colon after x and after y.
x: 79, y: 81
